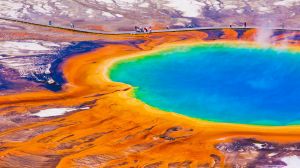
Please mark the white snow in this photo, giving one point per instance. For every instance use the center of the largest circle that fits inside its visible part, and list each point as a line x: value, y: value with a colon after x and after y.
x: 272, y: 154
x: 291, y: 161
x: 259, y: 146
x: 144, y: 5
x: 216, y: 5
x: 31, y: 9
x: 119, y: 15
x: 240, y: 11
x: 28, y: 47
x: 189, y: 8
x: 56, y: 111
x: 47, y: 70
x: 26, y: 65
x: 230, y: 7
x: 90, y: 13
x: 263, y: 9
x: 124, y: 4
x: 23, y: 45
x: 107, y: 14
x: 286, y: 3
x: 104, y: 1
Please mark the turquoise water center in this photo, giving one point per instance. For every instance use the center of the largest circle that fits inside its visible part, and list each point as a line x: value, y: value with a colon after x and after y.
x: 218, y: 82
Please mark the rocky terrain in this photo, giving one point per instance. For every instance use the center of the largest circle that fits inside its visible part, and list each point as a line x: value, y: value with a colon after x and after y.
x: 254, y: 153
x: 112, y: 15
x: 36, y: 61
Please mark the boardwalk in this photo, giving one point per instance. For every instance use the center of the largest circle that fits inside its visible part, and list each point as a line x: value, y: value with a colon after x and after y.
x: 134, y: 32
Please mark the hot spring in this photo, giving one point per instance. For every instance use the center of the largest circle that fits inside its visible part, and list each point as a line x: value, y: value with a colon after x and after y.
x: 216, y: 82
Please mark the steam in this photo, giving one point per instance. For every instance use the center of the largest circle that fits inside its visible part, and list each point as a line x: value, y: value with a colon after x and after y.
x: 264, y: 37
x: 265, y: 32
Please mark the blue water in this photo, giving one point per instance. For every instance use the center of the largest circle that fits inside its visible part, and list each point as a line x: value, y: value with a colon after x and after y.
x: 218, y: 83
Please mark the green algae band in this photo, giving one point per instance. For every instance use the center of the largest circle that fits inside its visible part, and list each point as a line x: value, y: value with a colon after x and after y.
x: 218, y: 83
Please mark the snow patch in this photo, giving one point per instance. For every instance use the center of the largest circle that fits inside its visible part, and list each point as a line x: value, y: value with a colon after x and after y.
x: 230, y: 7
x: 56, y: 112
x: 144, y: 5
x: 107, y: 14
x: 286, y: 3
x: 119, y: 15
x: 30, y: 51
x: 23, y: 45
x: 272, y: 154
x: 29, y: 47
x: 105, y: 1
x: 263, y: 9
x: 240, y: 11
x: 189, y: 8
x: 259, y: 146
x: 291, y: 161
x: 89, y: 11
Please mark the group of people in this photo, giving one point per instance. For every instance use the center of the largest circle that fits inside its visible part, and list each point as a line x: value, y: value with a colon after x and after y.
x: 143, y: 29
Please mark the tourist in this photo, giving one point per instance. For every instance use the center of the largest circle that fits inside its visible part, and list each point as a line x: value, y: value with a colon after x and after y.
x: 136, y: 28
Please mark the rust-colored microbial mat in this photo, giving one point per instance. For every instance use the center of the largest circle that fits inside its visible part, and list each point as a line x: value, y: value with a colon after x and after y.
x: 80, y: 118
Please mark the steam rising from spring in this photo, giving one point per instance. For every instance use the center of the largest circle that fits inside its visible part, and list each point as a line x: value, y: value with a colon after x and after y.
x: 264, y: 37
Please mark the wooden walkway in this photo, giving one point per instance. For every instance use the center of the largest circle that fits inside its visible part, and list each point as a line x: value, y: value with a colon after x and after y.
x: 133, y: 32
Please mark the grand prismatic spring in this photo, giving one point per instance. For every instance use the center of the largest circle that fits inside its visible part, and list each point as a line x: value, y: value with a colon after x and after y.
x: 219, y: 82
x: 202, y: 98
